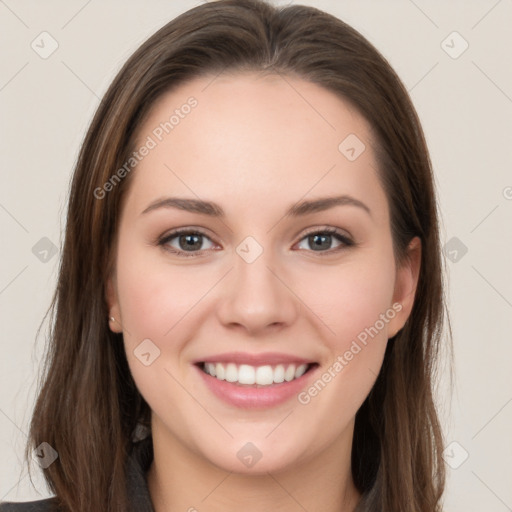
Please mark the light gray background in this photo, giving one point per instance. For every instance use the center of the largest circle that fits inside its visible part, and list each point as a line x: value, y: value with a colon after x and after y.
x: 465, y: 105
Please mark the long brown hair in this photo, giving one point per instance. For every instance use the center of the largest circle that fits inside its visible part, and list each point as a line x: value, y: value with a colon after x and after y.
x: 88, y: 405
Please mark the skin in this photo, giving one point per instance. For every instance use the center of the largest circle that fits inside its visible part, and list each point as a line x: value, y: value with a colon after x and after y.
x: 255, y: 146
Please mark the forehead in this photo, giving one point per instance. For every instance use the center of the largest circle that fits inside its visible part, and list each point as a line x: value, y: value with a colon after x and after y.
x: 254, y: 138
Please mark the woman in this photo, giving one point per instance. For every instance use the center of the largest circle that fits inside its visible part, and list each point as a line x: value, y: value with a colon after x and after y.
x: 250, y: 297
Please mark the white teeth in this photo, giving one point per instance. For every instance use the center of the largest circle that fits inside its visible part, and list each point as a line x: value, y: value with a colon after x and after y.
x: 210, y: 368
x: 220, y: 372
x: 246, y: 374
x: 260, y: 375
x: 279, y: 374
x: 289, y: 374
x: 231, y: 373
x: 264, y: 375
x: 301, y: 370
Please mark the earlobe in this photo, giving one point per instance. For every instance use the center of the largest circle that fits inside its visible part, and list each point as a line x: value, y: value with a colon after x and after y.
x: 405, y: 286
x: 114, y: 316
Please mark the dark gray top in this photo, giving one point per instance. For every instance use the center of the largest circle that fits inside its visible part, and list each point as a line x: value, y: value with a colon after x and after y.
x: 137, y: 466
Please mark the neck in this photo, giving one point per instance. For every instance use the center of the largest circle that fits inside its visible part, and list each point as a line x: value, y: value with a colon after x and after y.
x: 180, y: 479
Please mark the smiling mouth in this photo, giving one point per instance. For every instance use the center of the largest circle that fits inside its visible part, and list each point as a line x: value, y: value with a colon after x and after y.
x: 256, y: 376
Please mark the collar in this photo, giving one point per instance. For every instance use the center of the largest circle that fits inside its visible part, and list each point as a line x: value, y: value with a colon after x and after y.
x: 138, y: 464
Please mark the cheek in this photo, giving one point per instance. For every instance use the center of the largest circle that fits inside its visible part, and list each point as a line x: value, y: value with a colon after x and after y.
x: 155, y: 297
x: 156, y: 302
x: 349, y: 298
x: 352, y: 301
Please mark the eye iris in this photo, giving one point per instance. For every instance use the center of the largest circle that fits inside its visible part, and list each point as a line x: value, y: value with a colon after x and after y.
x: 318, y: 241
x: 190, y: 242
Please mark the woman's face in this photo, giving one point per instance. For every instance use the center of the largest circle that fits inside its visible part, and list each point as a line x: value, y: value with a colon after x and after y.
x: 284, y: 259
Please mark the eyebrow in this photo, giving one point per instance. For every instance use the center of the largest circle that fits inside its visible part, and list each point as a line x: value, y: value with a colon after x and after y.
x: 296, y: 210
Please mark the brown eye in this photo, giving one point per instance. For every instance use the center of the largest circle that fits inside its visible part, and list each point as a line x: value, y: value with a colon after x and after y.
x: 324, y: 241
x: 186, y: 242
x: 190, y: 242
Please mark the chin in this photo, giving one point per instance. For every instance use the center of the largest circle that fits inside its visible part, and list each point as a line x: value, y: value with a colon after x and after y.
x: 250, y: 457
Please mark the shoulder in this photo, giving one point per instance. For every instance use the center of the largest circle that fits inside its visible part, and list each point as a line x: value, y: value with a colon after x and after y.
x: 47, y: 505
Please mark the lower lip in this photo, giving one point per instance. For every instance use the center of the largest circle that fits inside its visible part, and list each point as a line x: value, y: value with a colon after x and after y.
x: 246, y: 397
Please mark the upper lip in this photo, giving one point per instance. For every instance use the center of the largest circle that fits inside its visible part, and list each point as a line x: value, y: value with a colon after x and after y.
x: 264, y: 358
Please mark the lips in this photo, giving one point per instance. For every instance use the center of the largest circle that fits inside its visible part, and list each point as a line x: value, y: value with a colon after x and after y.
x: 265, y: 358
x: 255, y: 380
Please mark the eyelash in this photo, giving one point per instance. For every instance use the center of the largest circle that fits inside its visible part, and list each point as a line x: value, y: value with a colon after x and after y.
x: 345, y: 241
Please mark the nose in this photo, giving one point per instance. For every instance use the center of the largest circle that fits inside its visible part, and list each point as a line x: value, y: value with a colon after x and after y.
x: 256, y: 298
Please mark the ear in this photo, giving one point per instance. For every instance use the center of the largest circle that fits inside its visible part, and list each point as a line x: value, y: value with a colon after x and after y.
x: 114, y: 312
x: 406, y: 283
